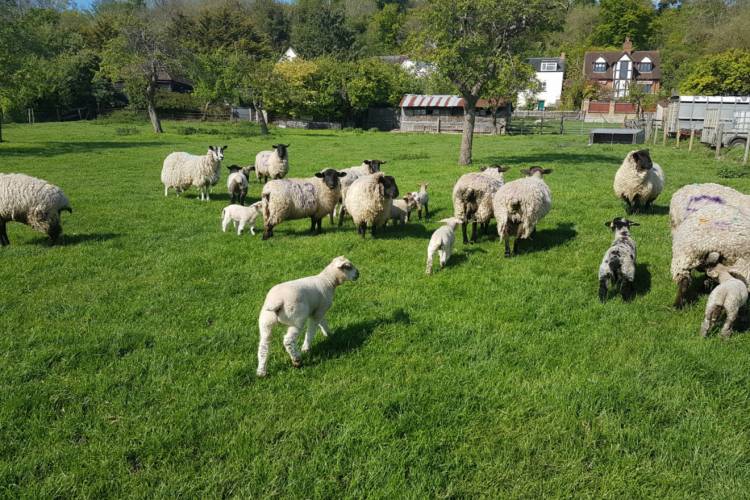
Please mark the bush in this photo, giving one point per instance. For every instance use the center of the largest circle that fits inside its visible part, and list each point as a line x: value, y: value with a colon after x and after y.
x: 126, y: 131
x: 731, y: 171
x: 374, y: 129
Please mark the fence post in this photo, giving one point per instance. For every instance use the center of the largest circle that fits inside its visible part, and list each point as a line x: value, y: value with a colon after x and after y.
x: 692, y: 136
x: 655, y: 134
x: 562, y: 124
x: 719, y: 133
x: 679, y: 133
x: 747, y: 147
x: 664, y: 136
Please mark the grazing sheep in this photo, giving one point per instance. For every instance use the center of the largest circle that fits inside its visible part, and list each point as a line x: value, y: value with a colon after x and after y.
x: 182, y: 170
x: 287, y: 199
x: 273, y: 164
x: 237, y: 184
x: 618, y: 265
x: 638, y: 181
x: 689, y: 199
x: 369, y: 201
x: 714, y: 229
x: 519, y: 205
x: 441, y: 242
x: 729, y: 297
x: 402, y: 208
x: 472, y: 198
x: 423, y: 200
x: 241, y: 216
x: 31, y: 201
x: 368, y: 167
x: 295, y: 302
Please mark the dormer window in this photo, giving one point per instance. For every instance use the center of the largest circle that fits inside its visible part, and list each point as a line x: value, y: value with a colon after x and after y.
x: 600, y: 65
x: 646, y: 65
x: 549, y: 66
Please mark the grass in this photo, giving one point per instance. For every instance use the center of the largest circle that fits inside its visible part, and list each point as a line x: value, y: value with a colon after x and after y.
x: 128, y: 354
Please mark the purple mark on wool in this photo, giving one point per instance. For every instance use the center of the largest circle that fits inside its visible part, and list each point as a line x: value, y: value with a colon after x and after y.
x: 703, y: 197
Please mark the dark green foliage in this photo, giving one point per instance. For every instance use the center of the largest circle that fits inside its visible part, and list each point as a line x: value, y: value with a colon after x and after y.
x: 320, y: 29
x: 624, y: 18
x: 727, y: 73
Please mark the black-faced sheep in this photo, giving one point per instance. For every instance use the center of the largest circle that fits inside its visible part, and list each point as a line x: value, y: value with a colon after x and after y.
x: 472, y: 198
x: 638, y: 181
x: 369, y: 201
x: 237, y: 184
x: 272, y: 164
x: 368, y: 167
x: 182, y: 170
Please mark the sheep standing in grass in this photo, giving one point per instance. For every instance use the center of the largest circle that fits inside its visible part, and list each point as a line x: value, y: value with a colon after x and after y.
x: 441, y: 242
x: 472, y: 198
x: 729, y: 297
x: 638, y: 181
x: 237, y: 184
x: 241, y: 216
x: 619, y: 262
x: 691, y: 198
x: 287, y: 199
x: 368, y: 167
x: 295, y: 302
x: 519, y: 205
x: 402, y: 208
x: 369, y: 201
x: 273, y: 164
x: 182, y: 170
x: 31, y: 201
x: 423, y: 200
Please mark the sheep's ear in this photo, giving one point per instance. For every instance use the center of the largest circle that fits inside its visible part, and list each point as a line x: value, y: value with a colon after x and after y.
x: 287, y: 145
x: 223, y: 148
x: 501, y: 168
x: 631, y: 223
x: 319, y: 175
x: 367, y: 162
x: 341, y: 174
x: 250, y: 169
x: 382, y: 162
x: 525, y: 171
x: 211, y: 148
x: 546, y: 171
x: 275, y: 146
x: 608, y: 224
x: 482, y: 169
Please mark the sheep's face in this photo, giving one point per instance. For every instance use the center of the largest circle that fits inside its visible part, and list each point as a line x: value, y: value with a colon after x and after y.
x: 374, y: 165
x: 411, y: 202
x: 621, y: 227
x: 642, y: 159
x: 216, y: 152
x: 536, y: 172
x: 423, y: 187
x: 281, y: 150
x: 344, y: 269
x: 234, y: 168
x: 390, y: 189
x: 330, y: 177
x: 494, y: 169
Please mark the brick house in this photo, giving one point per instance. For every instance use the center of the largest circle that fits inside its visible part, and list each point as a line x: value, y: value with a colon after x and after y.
x: 617, y: 71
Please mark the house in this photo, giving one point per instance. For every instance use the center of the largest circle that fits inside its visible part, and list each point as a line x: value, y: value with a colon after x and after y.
x: 549, y: 72
x: 289, y: 55
x: 416, y: 68
x: 445, y: 113
x: 618, y: 71
x: 166, y: 81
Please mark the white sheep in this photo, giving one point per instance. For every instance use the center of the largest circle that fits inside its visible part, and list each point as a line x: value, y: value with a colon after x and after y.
x: 728, y: 297
x: 295, y: 302
x: 472, y: 198
x: 31, y: 201
x: 240, y: 216
x: 369, y: 201
x: 519, y: 205
x: 441, y: 242
x: 619, y: 263
x: 367, y: 167
x: 273, y: 164
x: 237, y: 184
x: 423, y: 200
x: 638, y: 181
x: 182, y: 170
x: 287, y: 199
x: 689, y: 199
x: 402, y: 208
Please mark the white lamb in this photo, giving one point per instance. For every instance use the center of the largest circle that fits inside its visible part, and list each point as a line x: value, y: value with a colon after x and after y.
x: 182, y: 170
x: 689, y: 199
x: 31, y: 201
x: 273, y: 164
x: 638, y: 181
x: 369, y: 201
x: 441, y: 242
x: 295, y: 302
x: 367, y: 167
x: 423, y: 200
x: 402, y: 208
x: 519, y: 205
x: 472, y: 198
x: 729, y: 297
x: 241, y: 216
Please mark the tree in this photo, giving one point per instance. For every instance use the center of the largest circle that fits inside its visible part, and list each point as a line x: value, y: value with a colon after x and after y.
x: 727, y: 73
x: 470, y: 41
x: 624, y: 18
x: 320, y: 29
x: 212, y: 77
x: 515, y: 77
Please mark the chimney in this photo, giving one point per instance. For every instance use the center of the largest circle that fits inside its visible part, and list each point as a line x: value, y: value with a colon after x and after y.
x: 628, y: 45
x: 562, y: 55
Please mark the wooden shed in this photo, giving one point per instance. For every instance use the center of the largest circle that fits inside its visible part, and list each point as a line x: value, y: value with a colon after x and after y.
x: 445, y: 113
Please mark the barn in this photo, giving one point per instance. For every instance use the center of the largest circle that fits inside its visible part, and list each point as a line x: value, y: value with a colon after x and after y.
x: 445, y: 113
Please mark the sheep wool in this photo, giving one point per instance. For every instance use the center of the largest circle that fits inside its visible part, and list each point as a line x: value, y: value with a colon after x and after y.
x: 367, y: 167
x: 638, y: 181
x: 272, y: 164
x: 370, y: 199
x: 441, y: 242
x: 241, y: 216
x: 729, y: 297
x: 472, y: 197
x: 691, y: 198
x: 31, y: 201
x: 237, y: 184
x: 401, y: 209
x: 183, y: 170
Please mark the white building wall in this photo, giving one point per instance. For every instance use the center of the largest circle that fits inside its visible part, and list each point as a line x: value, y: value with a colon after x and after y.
x: 552, y: 82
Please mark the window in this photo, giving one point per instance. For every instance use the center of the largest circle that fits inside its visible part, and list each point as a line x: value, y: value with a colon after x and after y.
x: 600, y: 65
x: 646, y: 65
x: 542, y: 86
x: 549, y: 66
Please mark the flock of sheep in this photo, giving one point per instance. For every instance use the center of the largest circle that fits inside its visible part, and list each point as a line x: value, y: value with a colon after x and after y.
x: 710, y: 225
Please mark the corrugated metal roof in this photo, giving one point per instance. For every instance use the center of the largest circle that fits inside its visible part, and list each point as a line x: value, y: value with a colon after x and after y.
x: 431, y: 101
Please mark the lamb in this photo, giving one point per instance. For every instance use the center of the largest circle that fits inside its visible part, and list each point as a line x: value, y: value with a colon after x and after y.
x: 688, y: 199
x: 638, y: 181
x: 237, y: 184
x: 519, y: 205
x: 31, y: 201
x: 295, y: 302
x: 713, y: 232
x: 441, y: 242
x: 368, y: 167
x: 239, y: 214
x: 423, y: 200
x: 729, y: 297
x: 619, y: 262
x: 402, y: 208
x: 287, y: 199
x: 182, y: 170
x: 369, y: 201
x: 273, y: 164
x: 472, y: 198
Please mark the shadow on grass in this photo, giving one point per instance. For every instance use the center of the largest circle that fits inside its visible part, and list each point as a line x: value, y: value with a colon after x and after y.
x: 642, y: 283
x: 548, y: 238
x: 652, y: 210
x: 68, y: 240
x: 543, y: 159
x: 54, y: 148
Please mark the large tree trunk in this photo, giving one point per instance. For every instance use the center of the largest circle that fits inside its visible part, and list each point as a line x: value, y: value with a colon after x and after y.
x: 151, y: 101
x: 470, y: 114
x: 261, y: 118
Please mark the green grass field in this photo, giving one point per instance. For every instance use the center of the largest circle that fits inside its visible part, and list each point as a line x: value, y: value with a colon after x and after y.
x: 128, y: 354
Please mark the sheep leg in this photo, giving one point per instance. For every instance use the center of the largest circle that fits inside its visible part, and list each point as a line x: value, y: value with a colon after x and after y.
x: 419, y: 212
x: 312, y: 325
x: 208, y: 190
x: 320, y: 225
x: 266, y: 323
x: 463, y: 232
x: 372, y: 229
x: 726, y: 330
x: 515, y: 246
x: 474, y: 232
x: 443, y: 258
x: 324, y: 328
x: 603, y: 290
x: 342, y: 211
x: 290, y: 344
x: 267, y: 231
x: 312, y: 225
x: 430, y: 252
x: 682, y: 288
x: 362, y: 229
x: 4, y: 241
x: 507, y: 246
x: 426, y: 211
x: 225, y: 223
x: 627, y: 290
x: 709, y: 320
x: 166, y: 190
x: 241, y: 227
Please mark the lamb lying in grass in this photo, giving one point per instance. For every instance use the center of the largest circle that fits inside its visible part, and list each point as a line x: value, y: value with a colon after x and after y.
x: 729, y: 297
x: 442, y: 242
x: 241, y: 216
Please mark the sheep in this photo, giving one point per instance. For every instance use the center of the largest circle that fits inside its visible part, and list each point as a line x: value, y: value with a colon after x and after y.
x: 239, y: 214
x: 31, y: 201
x: 273, y: 164
x: 441, y: 242
x: 237, y: 184
x: 402, y: 208
x: 472, y: 198
x: 729, y: 297
x: 638, y: 181
x: 295, y: 302
x: 619, y: 262
x: 287, y: 199
x: 688, y: 199
x: 368, y: 167
x: 423, y: 200
x: 182, y: 170
x: 713, y: 230
x: 369, y: 201
x: 519, y: 205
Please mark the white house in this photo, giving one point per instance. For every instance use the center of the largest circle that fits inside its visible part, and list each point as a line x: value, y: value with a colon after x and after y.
x: 417, y: 68
x: 289, y: 55
x: 550, y: 71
